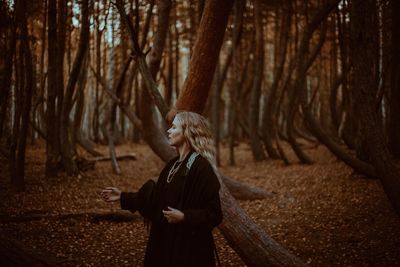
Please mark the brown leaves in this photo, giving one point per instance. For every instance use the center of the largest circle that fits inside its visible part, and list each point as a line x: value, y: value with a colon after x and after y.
x: 322, y: 213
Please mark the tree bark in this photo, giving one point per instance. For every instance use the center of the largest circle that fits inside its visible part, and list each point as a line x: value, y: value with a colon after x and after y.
x: 254, y: 110
x: 280, y: 49
x: 251, y: 243
x: 363, y: 48
x: 152, y: 133
x: 52, y: 150
x: 6, y: 65
x: 23, y: 99
x: 215, y: 109
x: 348, y: 124
x: 204, y: 57
x: 304, y: 60
x: 66, y: 135
x: 248, y: 240
x: 159, y: 42
x: 394, y: 108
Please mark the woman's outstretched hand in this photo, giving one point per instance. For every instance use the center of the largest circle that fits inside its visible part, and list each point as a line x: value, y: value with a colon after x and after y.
x: 110, y: 194
x: 173, y: 215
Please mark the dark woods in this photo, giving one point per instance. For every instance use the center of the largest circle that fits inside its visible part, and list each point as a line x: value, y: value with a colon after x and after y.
x: 80, y: 73
x: 322, y: 71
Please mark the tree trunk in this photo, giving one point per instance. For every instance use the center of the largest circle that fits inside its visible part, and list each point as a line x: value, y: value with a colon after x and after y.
x: 61, y: 37
x: 96, y: 115
x: 348, y: 124
x: 394, y: 108
x: 27, y: 75
x: 215, y: 109
x: 151, y: 132
x: 248, y: 240
x: 304, y: 60
x: 66, y: 135
x: 254, y: 110
x: 6, y: 65
x: 364, y: 34
x: 268, y: 254
x: 204, y: 57
x: 52, y: 151
x: 280, y: 48
x: 251, y: 243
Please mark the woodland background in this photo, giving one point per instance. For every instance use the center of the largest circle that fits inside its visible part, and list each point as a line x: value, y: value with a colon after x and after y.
x: 286, y: 85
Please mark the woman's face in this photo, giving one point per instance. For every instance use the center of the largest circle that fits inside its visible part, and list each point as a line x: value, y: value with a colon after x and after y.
x: 175, y: 134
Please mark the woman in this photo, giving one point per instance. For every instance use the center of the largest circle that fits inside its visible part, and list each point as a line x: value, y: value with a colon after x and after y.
x: 184, y: 205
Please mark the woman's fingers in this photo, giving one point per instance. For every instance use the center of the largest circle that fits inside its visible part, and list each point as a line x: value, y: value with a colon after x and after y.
x: 107, y: 193
x: 173, y: 215
x: 110, y: 188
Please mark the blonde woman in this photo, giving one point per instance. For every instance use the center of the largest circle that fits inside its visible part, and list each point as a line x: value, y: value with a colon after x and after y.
x: 184, y: 205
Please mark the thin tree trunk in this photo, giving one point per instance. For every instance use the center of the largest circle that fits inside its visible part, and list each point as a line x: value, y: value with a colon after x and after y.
x: 61, y: 37
x: 334, y: 114
x: 113, y: 113
x: 394, y: 124
x: 96, y: 115
x: 79, y: 107
x: 215, y: 110
x: 152, y: 134
x: 146, y: 70
x: 6, y: 68
x: 52, y: 151
x: 268, y: 126
x: 348, y: 124
x: 254, y: 111
x: 151, y: 131
x: 66, y: 135
x: 304, y: 61
x: 27, y: 94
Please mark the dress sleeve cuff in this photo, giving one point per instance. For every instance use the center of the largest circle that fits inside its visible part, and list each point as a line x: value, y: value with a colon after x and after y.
x: 128, y: 201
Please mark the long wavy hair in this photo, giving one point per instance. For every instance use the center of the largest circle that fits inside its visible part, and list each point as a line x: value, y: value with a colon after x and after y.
x: 197, y: 132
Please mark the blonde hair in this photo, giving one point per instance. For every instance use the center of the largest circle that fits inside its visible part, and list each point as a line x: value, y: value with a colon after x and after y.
x: 197, y: 132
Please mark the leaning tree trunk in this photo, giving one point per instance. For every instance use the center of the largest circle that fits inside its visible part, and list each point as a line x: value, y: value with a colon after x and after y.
x: 357, y: 164
x: 249, y: 240
x: 151, y: 131
x: 363, y: 48
x: 66, y: 135
x: 312, y: 123
x: 210, y: 36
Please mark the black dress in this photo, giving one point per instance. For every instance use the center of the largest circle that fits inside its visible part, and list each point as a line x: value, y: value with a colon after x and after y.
x: 194, y: 190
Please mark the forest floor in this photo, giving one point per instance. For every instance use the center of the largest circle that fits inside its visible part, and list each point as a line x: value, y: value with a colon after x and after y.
x: 323, y: 213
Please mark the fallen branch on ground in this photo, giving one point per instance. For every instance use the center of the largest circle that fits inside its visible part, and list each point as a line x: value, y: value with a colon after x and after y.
x: 129, y: 156
x: 94, y: 215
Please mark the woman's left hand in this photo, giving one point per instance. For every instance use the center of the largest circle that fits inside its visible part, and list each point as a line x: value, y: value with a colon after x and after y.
x: 173, y: 215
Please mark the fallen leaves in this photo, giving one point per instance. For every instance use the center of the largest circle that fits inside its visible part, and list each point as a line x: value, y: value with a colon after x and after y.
x: 323, y: 213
